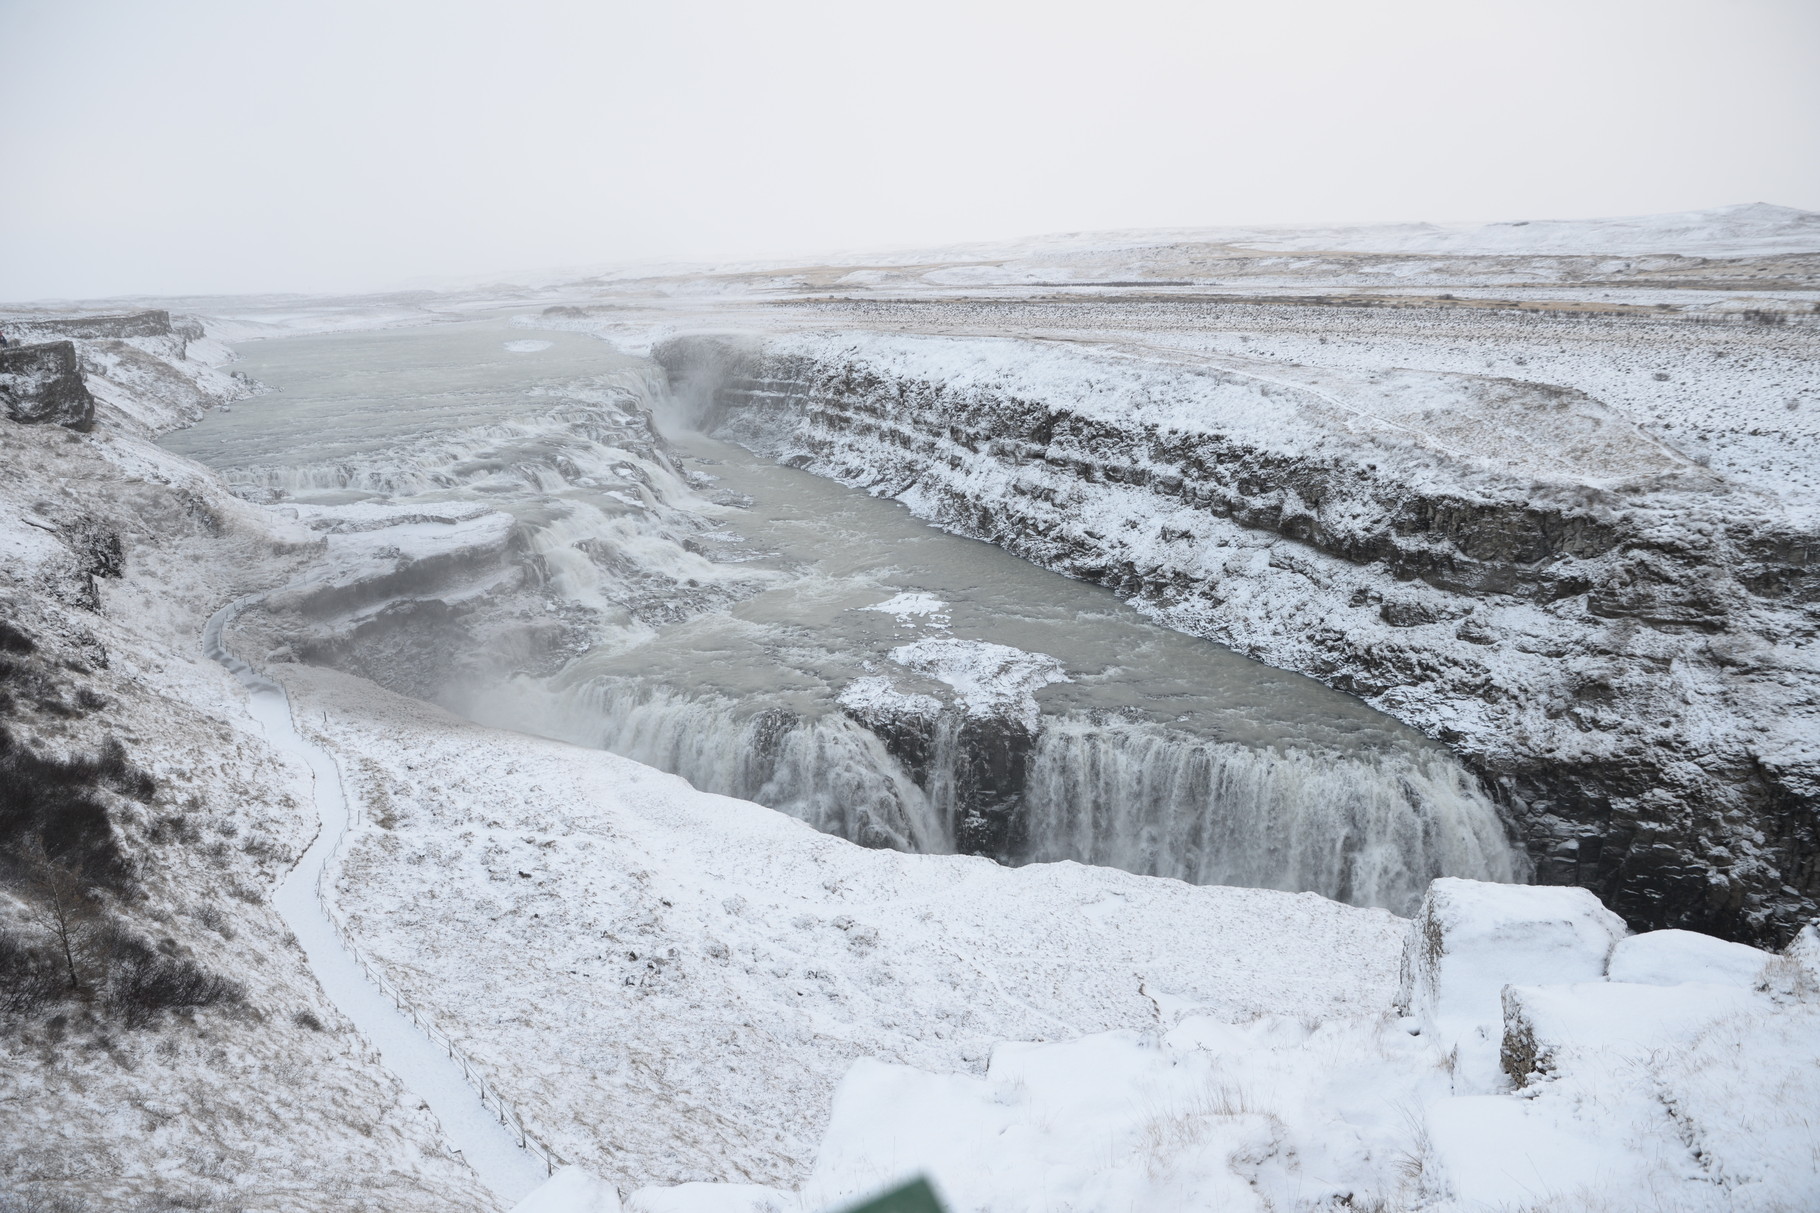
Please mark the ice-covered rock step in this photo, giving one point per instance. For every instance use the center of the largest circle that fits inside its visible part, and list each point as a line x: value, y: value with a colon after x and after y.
x: 1669, y: 958
x: 1607, y: 1020
x: 1470, y: 940
x: 363, y: 569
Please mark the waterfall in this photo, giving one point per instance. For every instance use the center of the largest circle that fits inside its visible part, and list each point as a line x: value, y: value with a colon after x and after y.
x: 822, y: 768
x: 790, y: 702
x: 591, y: 437
x: 1369, y: 829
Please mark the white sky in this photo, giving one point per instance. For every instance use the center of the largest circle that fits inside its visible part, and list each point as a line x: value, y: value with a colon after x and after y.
x: 247, y: 145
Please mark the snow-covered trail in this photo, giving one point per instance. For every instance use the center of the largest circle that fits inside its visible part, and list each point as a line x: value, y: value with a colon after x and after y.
x: 420, y: 1064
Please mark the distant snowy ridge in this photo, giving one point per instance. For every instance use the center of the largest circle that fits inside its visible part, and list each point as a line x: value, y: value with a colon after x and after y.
x: 1742, y: 230
x: 1749, y: 229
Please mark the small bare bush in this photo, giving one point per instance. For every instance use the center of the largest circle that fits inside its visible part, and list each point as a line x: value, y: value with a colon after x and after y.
x: 140, y: 986
x: 29, y: 981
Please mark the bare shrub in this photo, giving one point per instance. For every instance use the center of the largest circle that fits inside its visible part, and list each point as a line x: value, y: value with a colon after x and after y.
x: 14, y: 639
x: 29, y: 980
x: 62, y: 904
x: 54, y: 806
x: 142, y: 984
x: 215, y: 921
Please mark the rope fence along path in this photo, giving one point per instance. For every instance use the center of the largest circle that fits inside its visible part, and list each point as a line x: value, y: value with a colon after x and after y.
x: 490, y: 1134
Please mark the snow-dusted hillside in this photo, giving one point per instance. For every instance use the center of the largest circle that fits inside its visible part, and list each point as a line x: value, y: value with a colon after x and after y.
x: 162, y: 1086
x: 1748, y: 229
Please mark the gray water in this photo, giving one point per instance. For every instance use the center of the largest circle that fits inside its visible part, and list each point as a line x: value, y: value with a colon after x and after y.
x: 754, y: 649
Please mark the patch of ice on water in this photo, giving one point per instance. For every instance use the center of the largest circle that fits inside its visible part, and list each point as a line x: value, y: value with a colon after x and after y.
x: 913, y: 604
x: 528, y: 346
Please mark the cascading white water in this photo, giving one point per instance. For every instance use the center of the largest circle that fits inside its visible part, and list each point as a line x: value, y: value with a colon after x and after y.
x: 827, y: 771
x: 1368, y: 829
x: 549, y: 452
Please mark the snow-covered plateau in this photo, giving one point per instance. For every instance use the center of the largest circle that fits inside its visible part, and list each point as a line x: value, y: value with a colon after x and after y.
x: 1542, y: 493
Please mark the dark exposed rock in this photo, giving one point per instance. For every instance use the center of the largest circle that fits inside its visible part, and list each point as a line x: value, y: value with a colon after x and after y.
x: 1401, y: 613
x: 973, y: 766
x: 42, y: 384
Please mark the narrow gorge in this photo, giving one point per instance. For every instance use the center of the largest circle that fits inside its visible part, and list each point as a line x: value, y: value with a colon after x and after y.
x: 1588, y: 617
x: 569, y: 559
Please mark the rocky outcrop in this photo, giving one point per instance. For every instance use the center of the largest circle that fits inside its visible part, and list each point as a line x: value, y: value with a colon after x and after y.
x: 153, y: 322
x: 1603, y: 629
x: 42, y: 384
x: 968, y: 744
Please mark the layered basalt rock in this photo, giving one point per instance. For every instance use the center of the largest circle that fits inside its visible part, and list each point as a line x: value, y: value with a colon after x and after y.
x: 973, y: 766
x: 152, y: 322
x: 1614, y: 647
x: 42, y: 384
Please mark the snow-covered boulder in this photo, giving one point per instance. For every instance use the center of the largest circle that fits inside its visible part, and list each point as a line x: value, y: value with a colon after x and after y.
x: 1607, y: 1018
x: 1804, y: 949
x: 1669, y: 958
x: 1470, y: 939
x: 1243, y: 1118
x: 1796, y: 972
x: 571, y: 1190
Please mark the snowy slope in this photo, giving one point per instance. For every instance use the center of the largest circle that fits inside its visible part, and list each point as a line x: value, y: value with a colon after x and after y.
x: 1749, y: 229
x: 1742, y: 230
x: 672, y: 983
x: 1601, y: 1093
x: 271, y: 1102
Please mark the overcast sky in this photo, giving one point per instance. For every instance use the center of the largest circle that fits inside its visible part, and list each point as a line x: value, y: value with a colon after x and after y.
x: 253, y: 145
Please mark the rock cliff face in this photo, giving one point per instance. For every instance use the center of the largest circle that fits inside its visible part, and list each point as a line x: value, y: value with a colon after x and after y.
x: 1618, y: 640
x: 153, y: 322
x: 43, y: 384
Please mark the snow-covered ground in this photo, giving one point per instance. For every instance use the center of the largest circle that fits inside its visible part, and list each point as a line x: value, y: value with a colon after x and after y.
x: 442, y: 1078
x: 717, y: 1009
x: 671, y: 983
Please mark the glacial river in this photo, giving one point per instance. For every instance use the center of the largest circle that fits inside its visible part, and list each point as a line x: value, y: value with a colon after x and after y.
x: 772, y: 635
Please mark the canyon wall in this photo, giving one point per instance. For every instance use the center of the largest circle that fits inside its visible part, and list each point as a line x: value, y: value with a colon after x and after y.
x: 1615, y: 638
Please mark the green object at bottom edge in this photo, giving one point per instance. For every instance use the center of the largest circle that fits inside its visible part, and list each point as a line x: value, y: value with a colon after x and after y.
x: 914, y: 1197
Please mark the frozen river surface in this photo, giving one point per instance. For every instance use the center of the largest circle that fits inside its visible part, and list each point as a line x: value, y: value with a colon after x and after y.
x: 802, y: 644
